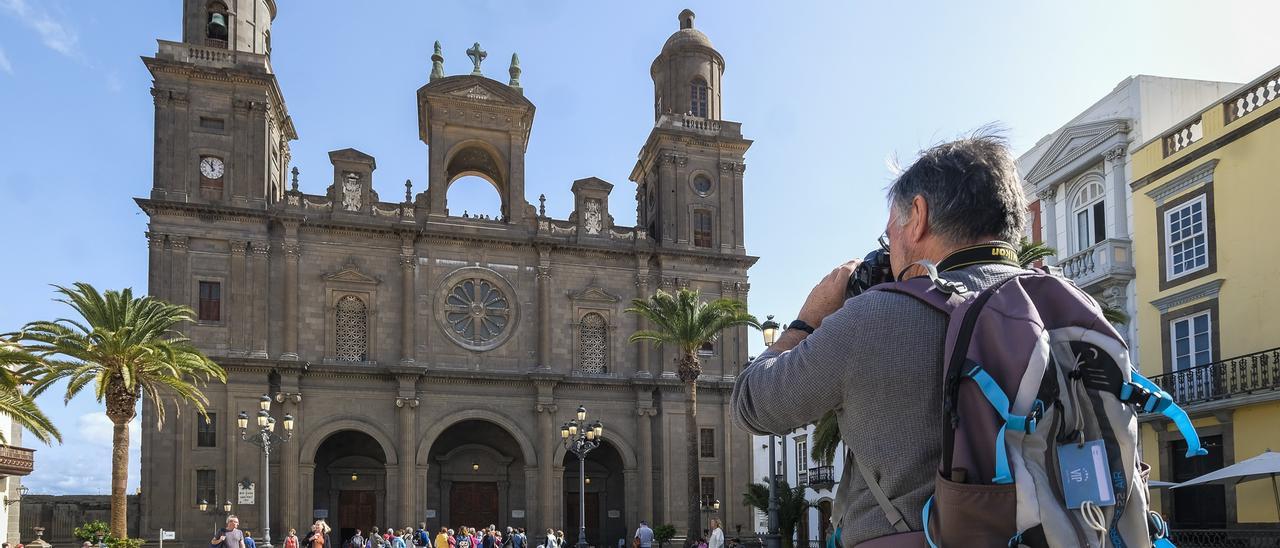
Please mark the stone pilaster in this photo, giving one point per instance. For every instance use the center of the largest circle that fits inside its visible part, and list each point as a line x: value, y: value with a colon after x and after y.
x: 1049, y: 218
x: 408, y: 296
x: 667, y: 178
x: 547, y: 437
x: 155, y: 264
x: 644, y: 443
x: 292, y: 255
x: 178, y: 269
x: 290, y: 456
x: 642, y: 292
x: 544, y: 308
x: 1119, y: 189
x: 238, y: 319
x: 261, y: 250
x: 407, y: 404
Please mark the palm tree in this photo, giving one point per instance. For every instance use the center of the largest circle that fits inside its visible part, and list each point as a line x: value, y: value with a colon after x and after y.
x: 1030, y: 252
x: 19, y: 367
x: 128, y: 348
x: 791, y: 505
x: 685, y: 322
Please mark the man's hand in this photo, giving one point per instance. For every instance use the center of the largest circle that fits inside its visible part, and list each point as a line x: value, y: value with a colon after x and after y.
x: 828, y: 296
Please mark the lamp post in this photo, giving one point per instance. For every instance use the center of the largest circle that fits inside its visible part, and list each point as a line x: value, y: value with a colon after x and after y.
x: 771, y: 538
x: 581, y: 438
x: 710, y: 506
x: 226, y: 510
x: 265, y: 437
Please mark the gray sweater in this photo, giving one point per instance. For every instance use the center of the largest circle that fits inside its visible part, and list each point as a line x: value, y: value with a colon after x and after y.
x: 878, y: 361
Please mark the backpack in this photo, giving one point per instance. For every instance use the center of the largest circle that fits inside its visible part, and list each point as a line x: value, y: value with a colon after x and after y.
x: 1040, y: 431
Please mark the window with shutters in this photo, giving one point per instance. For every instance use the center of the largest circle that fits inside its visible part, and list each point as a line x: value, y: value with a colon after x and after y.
x: 207, y: 486
x: 351, y: 330
x: 593, y: 344
x: 210, y: 302
x: 707, y: 443
x: 702, y: 223
x: 207, y: 430
x: 699, y: 105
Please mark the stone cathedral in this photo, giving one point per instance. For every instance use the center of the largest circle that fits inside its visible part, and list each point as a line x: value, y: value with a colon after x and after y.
x: 428, y: 356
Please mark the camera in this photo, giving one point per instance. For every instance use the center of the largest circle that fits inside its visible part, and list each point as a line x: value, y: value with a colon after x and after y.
x: 874, y: 269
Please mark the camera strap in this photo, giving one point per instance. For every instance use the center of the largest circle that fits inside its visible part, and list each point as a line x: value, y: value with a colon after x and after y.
x: 989, y: 253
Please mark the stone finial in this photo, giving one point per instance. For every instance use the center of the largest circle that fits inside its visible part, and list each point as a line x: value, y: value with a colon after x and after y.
x: 408, y: 190
x: 437, y: 63
x: 686, y: 19
x: 515, y: 71
x: 294, y: 185
x: 477, y: 56
x: 542, y: 205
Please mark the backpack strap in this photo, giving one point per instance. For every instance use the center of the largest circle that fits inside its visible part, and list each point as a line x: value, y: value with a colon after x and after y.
x: 890, y: 512
x: 1000, y: 402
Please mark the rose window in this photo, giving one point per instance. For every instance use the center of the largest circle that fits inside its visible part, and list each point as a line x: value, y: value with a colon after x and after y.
x: 476, y: 312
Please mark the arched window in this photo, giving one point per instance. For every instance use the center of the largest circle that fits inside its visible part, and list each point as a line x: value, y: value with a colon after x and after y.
x: 698, y: 103
x: 593, y: 344
x: 1089, y: 209
x: 351, y: 330
x: 216, y: 24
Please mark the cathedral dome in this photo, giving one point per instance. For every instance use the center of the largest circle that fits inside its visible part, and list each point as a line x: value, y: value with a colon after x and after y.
x: 685, y: 38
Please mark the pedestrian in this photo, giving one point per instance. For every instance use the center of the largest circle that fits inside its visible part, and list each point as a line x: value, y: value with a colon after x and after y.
x: 318, y: 536
x: 229, y: 536
x: 356, y: 541
x: 559, y: 537
x: 717, y: 535
x: 291, y: 540
x: 644, y: 535
x: 551, y: 539
x: 248, y: 539
x: 397, y: 541
x: 443, y: 539
x: 520, y: 541
x: 955, y: 215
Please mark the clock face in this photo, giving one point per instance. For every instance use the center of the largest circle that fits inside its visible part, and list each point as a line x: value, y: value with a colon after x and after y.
x: 211, y: 167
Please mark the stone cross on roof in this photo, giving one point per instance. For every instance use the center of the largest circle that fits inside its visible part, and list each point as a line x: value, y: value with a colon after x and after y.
x: 477, y: 56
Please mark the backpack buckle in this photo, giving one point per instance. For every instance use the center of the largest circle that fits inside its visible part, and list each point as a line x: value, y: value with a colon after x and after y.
x: 1150, y: 402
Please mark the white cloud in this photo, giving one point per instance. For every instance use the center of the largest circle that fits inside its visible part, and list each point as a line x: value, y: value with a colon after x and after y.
x: 82, y: 465
x: 53, y: 33
x: 5, y: 65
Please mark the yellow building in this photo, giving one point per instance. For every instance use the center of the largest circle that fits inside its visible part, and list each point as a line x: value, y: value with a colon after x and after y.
x: 1205, y: 197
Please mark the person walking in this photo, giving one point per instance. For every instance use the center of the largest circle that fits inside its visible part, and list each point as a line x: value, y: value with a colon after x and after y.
x: 229, y: 536
x: 443, y: 539
x: 397, y: 541
x: 518, y: 539
x: 717, y: 535
x: 248, y: 539
x: 291, y: 540
x: 551, y: 539
x: 356, y: 541
x: 644, y: 534
x: 318, y: 536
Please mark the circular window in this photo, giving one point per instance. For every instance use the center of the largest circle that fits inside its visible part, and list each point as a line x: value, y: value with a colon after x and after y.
x: 702, y: 185
x: 475, y: 308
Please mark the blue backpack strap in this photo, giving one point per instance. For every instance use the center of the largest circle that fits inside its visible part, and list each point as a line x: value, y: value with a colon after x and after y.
x: 1000, y: 402
x: 924, y: 520
x: 1152, y: 399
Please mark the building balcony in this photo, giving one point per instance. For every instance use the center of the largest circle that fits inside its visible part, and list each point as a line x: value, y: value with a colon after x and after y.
x: 213, y: 57
x: 1108, y: 260
x: 1237, y: 377
x: 822, y: 477
x: 16, y: 461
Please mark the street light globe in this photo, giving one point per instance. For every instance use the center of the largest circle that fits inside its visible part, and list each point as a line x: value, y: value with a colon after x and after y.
x: 271, y: 424
x: 582, y: 413
x: 564, y: 431
x: 573, y: 429
x: 475, y: 467
x: 204, y: 505
x: 354, y: 477
x: 288, y: 423
x: 264, y: 403
x: 598, y: 428
x: 715, y: 505
x: 242, y: 420
x: 226, y: 507
x: 770, y: 330
x: 263, y: 417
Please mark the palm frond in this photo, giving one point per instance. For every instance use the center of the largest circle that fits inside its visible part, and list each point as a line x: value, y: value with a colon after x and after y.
x: 1029, y: 252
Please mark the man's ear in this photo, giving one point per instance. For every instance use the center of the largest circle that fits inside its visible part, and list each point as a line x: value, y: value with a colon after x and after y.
x: 918, y: 225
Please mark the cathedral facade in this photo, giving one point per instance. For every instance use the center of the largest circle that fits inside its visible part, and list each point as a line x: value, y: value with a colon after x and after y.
x: 430, y: 357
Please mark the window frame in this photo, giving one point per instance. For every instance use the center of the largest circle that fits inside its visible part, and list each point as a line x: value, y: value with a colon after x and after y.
x: 706, y: 436
x: 336, y: 351
x: 1166, y: 330
x: 1192, y: 335
x: 580, y: 350
x: 1094, y: 211
x: 213, y: 497
x: 211, y: 430
x: 699, y: 97
x: 710, y: 234
x: 1171, y: 243
x: 1164, y: 246
x: 200, y: 301
x: 704, y: 496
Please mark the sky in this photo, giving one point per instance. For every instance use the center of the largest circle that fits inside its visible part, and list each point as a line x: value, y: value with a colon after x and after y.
x: 832, y: 93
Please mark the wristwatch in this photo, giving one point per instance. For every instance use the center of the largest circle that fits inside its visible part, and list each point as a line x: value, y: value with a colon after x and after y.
x: 799, y: 324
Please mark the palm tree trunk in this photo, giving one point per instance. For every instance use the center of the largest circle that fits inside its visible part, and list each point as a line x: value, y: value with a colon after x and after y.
x: 691, y: 456
x: 119, y: 478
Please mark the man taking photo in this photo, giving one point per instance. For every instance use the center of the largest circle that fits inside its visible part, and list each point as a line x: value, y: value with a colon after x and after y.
x: 877, y: 358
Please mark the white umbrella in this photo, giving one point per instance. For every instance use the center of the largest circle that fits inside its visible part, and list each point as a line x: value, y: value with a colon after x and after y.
x: 1263, y: 466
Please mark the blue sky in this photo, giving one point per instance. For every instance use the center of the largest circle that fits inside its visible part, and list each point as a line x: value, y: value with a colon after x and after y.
x: 831, y: 92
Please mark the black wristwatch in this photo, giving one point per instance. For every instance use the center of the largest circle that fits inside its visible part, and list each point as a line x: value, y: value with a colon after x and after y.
x: 799, y: 324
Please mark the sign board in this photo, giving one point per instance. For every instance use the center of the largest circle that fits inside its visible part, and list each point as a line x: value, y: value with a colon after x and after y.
x: 517, y: 514
x: 431, y: 513
x: 245, y: 493
x: 168, y: 535
x: 615, y: 514
x: 321, y: 513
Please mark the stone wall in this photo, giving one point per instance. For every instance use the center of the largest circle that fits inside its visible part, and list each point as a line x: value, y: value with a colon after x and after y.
x: 61, y: 514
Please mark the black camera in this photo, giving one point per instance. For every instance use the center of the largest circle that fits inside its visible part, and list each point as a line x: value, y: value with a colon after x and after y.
x: 874, y: 269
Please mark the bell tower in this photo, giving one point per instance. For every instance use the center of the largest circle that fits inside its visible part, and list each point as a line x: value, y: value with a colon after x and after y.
x: 689, y: 174
x: 222, y: 130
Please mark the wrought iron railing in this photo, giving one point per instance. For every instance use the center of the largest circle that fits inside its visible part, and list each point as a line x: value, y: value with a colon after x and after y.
x: 1247, y: 374
x: 821, y: 477
x: 1214, y: 538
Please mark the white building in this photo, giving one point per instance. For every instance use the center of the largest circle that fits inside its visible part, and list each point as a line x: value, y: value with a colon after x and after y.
x: 15, y: 462
x: 793, y: 463
x: 1077, y: 182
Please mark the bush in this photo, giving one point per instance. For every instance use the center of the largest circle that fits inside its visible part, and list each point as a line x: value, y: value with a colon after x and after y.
x: 664, y: 533
x: 98, y: 529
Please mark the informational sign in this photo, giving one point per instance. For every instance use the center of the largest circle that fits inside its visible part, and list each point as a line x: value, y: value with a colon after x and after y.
x: 321, y: 513
x: 168, y: 535
x: 431, y: 513
x: 245, y: 493
x: 615, y: 514
x: 517, y: 514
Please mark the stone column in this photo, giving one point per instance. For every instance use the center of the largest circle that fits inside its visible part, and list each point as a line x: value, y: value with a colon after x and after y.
x: 259, y: 302
x: 728, y: 215
x: 514, y: 201
x: 437, y: 185
x: 642, y: 292
x: 666, y: 198
x: 408, y: 296
x: 681, y: 222
x: 178, y: 282
x: 739, y: 243
x: 544, y: 308
x: 547, y: 436
x: 238, y: 319
x: 407, y: 403
x: 1119, y: 189
x: 290, y: 455
x: 644, y: 422
x: 292, y: 255
x: 1049, y: 220
x: 155, y: 264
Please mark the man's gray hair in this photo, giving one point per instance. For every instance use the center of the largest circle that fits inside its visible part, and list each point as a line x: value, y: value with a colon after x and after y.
x: 972, y: 188
x: 231, y: 517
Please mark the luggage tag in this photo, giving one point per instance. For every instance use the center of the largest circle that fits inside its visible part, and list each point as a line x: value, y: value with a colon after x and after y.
x: 1086, y: 476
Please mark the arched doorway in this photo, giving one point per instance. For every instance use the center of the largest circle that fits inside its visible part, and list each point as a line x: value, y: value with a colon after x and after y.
x: 477, y: 475
x: 605, y: 496
x: 350, y: 482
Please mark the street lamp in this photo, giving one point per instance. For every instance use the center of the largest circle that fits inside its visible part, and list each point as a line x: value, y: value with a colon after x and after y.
x: 710, y: 506
x: 771, y: 538
x: 581, y: 438
x: 265, y: 437
x: 226, y: 509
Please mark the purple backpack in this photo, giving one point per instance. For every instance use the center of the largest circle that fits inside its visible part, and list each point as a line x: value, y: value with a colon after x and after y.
x: 1040, y: 422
